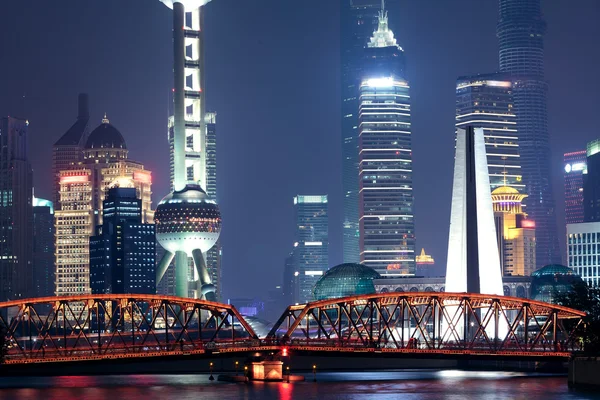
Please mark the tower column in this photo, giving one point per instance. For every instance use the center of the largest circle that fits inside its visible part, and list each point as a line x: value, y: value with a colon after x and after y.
x: 181, y: 274
x: 180, y: 176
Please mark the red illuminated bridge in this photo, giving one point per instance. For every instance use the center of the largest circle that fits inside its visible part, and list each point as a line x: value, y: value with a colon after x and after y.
x: 100, y: 327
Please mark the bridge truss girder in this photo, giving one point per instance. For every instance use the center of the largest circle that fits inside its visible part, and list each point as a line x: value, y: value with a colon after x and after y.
x: 432, y: 322
x: 117, y: 326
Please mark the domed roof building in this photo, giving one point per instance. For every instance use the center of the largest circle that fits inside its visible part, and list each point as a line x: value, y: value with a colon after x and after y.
x: 551, y: 280
x: 345, y: 280
x: 105, y: 142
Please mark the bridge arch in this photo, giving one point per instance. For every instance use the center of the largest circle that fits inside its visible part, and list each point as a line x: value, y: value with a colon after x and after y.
x: 87, y: 327
x: 432, y: 322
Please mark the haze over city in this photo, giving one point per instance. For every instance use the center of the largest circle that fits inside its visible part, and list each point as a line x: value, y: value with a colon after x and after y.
x: 273, y: 76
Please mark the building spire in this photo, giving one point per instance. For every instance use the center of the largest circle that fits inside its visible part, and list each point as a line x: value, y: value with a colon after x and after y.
x: 105, y: 120
x: 383, y: 36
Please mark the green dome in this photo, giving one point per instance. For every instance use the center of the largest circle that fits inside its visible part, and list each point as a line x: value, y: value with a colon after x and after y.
x: 551, y: 280
x: 345, y: 280
x: 553, y: 269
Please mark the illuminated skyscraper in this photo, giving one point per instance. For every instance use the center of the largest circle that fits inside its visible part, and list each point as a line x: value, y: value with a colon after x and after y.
x: 68, y: 150
x: 575, y: 166
x: 311, y: 249
x: 485, y: 101
x: 123, y: 250
x: 82, y: 190
x: 514, y: 232
x: 520, y: 33
x: 387, y: 236
x: 591, y: 183
x: 359, y: 18
x: 16, y: 214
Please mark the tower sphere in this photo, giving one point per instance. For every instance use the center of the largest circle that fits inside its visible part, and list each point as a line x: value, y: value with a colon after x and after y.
x: 188, y: 4
x: 187, y: 220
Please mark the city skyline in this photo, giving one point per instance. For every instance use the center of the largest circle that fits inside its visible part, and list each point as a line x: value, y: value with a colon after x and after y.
x: 425, y: 235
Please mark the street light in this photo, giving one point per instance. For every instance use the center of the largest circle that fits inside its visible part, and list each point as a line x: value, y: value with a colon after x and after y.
x: 314, y: 372
x: 211, y: 377
x: 236, y: 368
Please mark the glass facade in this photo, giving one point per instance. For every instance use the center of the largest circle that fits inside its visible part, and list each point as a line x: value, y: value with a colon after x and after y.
x: 123, y: 251
x: 311, y: 249
x: 575, y: 164
x: 485, y: 101
x: 358, y: 21
x: 551, y: 280
x: 16, y: 214
x: 386, y: 223
x: 520, y: 34
x: 345, y: 280
x: 583, y: 251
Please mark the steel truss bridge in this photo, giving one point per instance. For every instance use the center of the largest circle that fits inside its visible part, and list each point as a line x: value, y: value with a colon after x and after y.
x: 100, y: 327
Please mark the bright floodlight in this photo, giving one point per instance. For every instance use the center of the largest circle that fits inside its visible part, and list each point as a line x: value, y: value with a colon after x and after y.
x: 188, y: 4
x: 381, y: 82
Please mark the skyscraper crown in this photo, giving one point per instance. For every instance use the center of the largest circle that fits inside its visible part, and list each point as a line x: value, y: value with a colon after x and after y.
x: 383, y: 36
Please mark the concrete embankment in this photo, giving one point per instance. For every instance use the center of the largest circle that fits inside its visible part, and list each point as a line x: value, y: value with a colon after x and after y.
x: 584, y: 373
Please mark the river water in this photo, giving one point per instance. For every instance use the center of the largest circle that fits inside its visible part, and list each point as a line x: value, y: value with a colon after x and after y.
x: 449, y: 384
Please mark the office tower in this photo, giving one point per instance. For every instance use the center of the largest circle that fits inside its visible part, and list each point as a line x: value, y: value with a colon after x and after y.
x: 43, y: 248
x: 473, y: 258
x: 387, y: 237
x: 514, y: 232
x: 123, y: 250
x: 520, y: 33
x: 591, y: 183
x: 359, y: 18
x: 192, y: 139
x: 311, y: 249
x: 485, y: 101
x: 16, y: 214
x: 83, y: 187
x: 575, y: 167
x: 290, y: 280
x: 68, y: 150
x: 583, y: 250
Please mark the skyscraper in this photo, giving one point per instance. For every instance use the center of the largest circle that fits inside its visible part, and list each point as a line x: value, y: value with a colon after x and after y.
x: 43, y: 248
x: 82, y: 190
x: 591, y: 183
x: 575, y: 166
x: 520, y: 33
x: 358, y: 21
x: 386, y: 224
x: 311, y: 252
x: 485, y: 101
x: 123, y: 250
x: 514, y: 232
x: 16, y: 214
x: 68, y: 150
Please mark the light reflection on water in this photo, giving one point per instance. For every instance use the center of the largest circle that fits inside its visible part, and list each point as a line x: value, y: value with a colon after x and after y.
x: 448, y: 384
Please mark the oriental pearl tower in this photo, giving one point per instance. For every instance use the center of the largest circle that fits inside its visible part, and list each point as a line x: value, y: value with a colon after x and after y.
x: 188, y: 223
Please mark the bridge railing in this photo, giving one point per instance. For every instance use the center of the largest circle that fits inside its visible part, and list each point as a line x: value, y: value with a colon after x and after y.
x: 432, y: 322
x: 111, y: 326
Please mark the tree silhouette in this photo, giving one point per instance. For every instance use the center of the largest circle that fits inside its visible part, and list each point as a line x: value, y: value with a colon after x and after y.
x: 585, y: 298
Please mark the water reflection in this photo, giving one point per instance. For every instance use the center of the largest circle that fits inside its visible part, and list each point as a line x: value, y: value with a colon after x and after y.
x: 448, y: 384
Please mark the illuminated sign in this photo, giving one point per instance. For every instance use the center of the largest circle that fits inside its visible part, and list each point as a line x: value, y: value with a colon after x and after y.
x: 580, y: 166
x: 143, y: 177
x: 527, y: 223
x: 74, y: 179
x: 313, y: 243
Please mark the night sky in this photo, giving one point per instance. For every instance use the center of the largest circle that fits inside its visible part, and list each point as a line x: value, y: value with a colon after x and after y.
x: 273, y: 78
